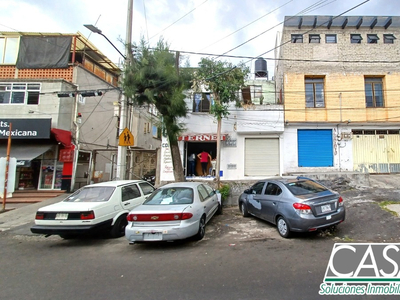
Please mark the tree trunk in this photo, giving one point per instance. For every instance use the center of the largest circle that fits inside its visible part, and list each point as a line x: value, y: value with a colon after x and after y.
x: 177, y: 162
x: 218, y: 165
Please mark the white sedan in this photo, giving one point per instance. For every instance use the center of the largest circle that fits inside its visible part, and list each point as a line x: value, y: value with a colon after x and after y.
x: 101, y: 206
x: 174, y: 211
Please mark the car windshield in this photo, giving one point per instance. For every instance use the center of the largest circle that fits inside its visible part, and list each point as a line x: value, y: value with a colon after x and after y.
x: 170, y: 196
x: 303, y: 187
x: 91, y: 194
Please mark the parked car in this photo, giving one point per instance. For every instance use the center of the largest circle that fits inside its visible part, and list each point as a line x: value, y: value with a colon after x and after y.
x: 293, y: 204
x: 101, y: 206
x: 172, y: 212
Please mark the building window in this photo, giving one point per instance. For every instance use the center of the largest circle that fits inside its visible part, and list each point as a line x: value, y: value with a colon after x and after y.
x: 202, y: 102
x: 314, y: 38
x: 8, y: 50
x: 373, y: 92
x: 19, y: 93
x: 330, y: 39
x: 252, y: 94
x: 372, y: 39
x: 388, y: 38
x: 297, y: 38
x: 314, y: 92
x: 355, y: 38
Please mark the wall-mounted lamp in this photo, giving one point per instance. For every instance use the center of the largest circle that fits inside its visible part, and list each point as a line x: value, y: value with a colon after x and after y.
x: 66, y: 95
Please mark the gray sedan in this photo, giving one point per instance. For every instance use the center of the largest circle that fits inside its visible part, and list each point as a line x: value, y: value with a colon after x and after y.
x: 293, y: 204
x: 172, y: 212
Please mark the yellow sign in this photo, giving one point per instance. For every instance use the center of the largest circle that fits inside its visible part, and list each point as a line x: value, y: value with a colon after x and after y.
x: 126, y: 138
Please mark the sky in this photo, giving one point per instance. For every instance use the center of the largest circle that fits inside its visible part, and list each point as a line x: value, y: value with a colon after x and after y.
x: 245, y: 30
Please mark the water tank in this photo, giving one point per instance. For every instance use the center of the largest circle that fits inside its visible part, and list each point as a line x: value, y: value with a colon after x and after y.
x: 261, y: 68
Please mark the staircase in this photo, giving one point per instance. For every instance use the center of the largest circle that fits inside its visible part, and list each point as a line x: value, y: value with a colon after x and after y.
x: 33, y: 196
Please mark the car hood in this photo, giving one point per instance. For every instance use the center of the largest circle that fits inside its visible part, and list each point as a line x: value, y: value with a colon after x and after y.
x: 72, y: 206
x: 160, y: 208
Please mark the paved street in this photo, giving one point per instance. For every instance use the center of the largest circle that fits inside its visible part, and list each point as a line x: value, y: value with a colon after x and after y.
x: 240, y: 258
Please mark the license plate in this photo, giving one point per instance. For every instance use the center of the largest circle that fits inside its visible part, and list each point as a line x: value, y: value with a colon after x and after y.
x: 325, y: 208
x: 61, y: 216
x: 156, y: 236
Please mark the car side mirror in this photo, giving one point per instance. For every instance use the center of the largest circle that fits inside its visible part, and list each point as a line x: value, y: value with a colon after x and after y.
x: 247, y: 191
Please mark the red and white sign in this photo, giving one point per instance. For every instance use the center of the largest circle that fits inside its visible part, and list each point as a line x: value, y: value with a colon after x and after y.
x: 201, y: 138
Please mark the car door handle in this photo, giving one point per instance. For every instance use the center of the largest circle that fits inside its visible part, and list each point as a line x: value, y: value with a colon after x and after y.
x: 127, y: 203
x: 274, y: 203
x: 205, y: 206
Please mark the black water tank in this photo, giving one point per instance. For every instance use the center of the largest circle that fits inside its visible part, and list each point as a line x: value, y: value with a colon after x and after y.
x: 261, y: 68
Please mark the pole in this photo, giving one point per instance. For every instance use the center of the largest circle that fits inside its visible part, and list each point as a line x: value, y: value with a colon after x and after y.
x: 121, y: 157
x: 7, y: 164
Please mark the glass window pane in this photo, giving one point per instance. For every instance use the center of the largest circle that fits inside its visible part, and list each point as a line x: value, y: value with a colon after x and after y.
x: 319, y: 94
x: 309, y: 95
x: 378, y: 95
x: 17, y: 97
x: 11, y: 51
x: 368, y: 95
x: 34, y: 86
x: 33, y: 98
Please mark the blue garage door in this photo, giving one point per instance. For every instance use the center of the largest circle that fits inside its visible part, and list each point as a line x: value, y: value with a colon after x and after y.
x: 315, y: 148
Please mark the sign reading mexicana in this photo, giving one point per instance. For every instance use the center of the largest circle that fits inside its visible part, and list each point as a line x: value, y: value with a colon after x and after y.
x: 370, y: 264
x: 25, y: 128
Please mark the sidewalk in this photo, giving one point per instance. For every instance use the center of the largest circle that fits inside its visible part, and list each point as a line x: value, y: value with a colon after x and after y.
x: 23, y: 213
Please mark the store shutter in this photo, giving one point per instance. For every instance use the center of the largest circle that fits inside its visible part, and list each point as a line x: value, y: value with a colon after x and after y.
x: 261, y: 157
x: 315, y: 147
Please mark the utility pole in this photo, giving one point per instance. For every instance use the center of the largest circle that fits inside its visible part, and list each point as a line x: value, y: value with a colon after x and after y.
x: 121, y: 157
x: 7, y: 167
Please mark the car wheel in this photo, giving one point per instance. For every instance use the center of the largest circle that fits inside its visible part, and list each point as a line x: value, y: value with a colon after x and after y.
x: 118, y: 229
x: 244, y: 211
x: 202, y: 229
x: 219, y: 210
x: 283, y: 227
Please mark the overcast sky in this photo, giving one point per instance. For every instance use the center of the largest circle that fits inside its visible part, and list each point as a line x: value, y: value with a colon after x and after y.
x: 232, y: 27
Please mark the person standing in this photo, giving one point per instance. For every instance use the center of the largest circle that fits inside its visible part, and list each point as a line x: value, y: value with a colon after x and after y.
x: 191, y: 164
x: 204, y: 156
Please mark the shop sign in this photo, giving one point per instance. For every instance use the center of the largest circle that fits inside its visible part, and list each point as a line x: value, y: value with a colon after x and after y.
x: 201, y: 138
x: 66, y: 155
x: 25, y: 128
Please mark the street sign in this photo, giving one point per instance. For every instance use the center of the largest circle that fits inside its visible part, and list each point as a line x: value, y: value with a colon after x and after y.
x: 125, y: 138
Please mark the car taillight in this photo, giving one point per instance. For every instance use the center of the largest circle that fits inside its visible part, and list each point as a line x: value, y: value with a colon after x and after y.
x: 340, y: 201
x: 158, y: 217
x: 39, y: 216
x: 302, y: 208
x: 87, y: 215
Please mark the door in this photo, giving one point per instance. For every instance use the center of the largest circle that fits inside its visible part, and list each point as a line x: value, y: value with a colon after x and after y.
x: 270, y: 201
x: 261, y: 157
x: 131, y: 196
x: 253, y: 199
x: 207, y: 200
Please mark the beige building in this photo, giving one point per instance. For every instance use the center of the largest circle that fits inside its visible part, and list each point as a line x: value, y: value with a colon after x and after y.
x: 61, y: 96
x: 339, y: 81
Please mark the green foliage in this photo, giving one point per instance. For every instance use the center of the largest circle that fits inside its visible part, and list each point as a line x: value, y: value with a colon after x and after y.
x: 222, y: 79
x: 153, y: 78
x: 224, y: 190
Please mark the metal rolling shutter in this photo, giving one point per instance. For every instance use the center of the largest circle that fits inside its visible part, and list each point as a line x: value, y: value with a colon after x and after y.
x: 315, y: 147
x: 261, y: 157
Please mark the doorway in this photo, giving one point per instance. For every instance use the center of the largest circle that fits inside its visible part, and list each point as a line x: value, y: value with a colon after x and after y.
x: 196, y: 148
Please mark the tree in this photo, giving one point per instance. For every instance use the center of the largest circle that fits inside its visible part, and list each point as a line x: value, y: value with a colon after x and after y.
x: 224, y: 81
x: 153, y: 77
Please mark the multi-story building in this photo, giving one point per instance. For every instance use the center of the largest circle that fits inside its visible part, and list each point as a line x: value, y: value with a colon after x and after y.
x: 250, y: 135
x: 339, y: 81
x: 61, y: 96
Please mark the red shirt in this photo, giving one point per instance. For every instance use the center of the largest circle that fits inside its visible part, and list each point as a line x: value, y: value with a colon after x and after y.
x: 204, y: 157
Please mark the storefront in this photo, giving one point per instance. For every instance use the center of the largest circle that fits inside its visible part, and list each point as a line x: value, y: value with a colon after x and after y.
x: 39, y: 150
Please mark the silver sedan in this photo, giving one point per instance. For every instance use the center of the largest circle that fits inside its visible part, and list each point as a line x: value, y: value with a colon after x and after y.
x: 172, y: 212
x: 293, y: 204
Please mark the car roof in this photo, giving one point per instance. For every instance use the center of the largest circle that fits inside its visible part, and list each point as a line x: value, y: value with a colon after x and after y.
x: 286, y: 179
x: 189, y: 184
x: 114, y: 183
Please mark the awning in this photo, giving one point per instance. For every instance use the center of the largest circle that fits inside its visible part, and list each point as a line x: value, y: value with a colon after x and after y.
x: 62, y: 136
x: 24, y: 152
